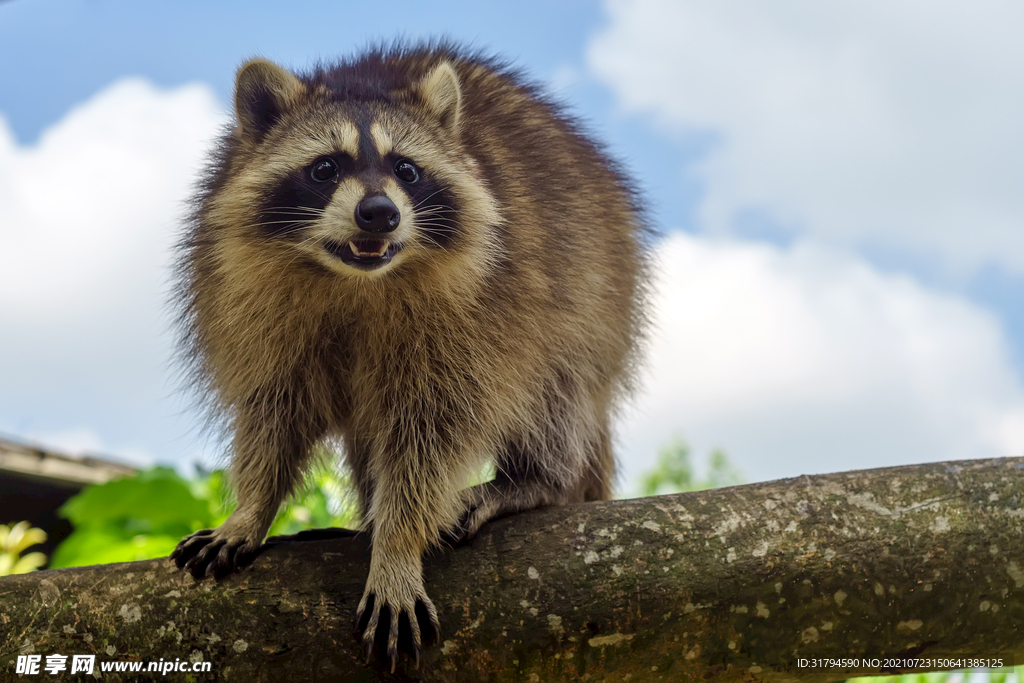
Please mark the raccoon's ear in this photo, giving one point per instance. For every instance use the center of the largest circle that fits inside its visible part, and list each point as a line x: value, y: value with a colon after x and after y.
x: 263, y: 91
x: 441, y: 93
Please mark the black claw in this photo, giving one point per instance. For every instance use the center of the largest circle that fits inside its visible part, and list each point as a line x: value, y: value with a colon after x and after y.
x: 190, y: 547
x: 404, y: 630
x: 207, y: 557
x: 460, y: 534
x: 245, y: 554
x: 453, y: 537
x: 220, y: 568
x: 407, y: 640
x: 430, y: 629
x: 186, y: 550
x: 204, y: 554
x: 378, y: 642
x: 197, y: 566
x: 383, y: 628
x: 363, y: 618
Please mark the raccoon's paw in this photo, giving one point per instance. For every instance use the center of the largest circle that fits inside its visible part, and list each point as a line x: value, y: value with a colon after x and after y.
x: 214, y: 552
x: 391, y: 620
x: 481, y: 507
x: 468, y: 526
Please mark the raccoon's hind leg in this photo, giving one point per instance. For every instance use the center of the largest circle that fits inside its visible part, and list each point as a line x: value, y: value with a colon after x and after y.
x: 532, y: 478
x: 269, y: 459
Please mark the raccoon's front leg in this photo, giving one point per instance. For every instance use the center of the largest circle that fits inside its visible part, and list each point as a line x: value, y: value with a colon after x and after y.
x: 408, y: 506
x: 269, y: 458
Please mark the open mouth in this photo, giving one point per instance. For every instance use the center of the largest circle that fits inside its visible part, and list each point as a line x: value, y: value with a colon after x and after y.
x: 364, y: 254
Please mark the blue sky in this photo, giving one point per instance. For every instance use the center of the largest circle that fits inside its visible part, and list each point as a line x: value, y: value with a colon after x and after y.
x: 843, y: 267
x: 77, y: 48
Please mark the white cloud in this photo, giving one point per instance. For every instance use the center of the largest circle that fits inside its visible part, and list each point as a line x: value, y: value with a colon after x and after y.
x: 806, y: 360
x: 87, y: 217
x: 95, y: 203
x: 869, y: 122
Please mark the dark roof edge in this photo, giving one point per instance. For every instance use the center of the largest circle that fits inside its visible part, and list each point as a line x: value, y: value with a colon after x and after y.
x: 39, y: 463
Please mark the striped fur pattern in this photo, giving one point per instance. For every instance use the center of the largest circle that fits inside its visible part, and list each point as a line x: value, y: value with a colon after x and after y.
x: 493, y: 315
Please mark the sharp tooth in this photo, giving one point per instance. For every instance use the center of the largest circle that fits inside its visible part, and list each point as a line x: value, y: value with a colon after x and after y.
x: 359, y: 252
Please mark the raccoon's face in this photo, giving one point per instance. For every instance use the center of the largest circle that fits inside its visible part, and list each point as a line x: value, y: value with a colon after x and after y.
x: 358, y: 187
x: 357, y: 197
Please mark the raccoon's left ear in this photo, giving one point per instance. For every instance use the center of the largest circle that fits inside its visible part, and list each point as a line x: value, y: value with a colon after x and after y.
x: 441, y: 93
x: 263, y: 91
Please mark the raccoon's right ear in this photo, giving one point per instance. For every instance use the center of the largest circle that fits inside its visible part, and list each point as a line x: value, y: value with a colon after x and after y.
x: 263, y: 91
x: 441, y: 93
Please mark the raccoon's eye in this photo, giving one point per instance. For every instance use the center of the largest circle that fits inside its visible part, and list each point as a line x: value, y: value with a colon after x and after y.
x: 406, y: 171
x: 323, y: 170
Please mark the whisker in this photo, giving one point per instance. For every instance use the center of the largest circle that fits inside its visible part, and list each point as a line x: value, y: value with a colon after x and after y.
x: 422, y: 220
x: 308, y: 209
x: 436, y: 211
x: 430, y: 240
x: 276, y: 256
x: 439, y: 224
x: 295, y: 217
x: 428, y: 197
x: 437, y: 230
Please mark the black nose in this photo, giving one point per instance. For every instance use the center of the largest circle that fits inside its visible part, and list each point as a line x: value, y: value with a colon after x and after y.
x: 377, y: 213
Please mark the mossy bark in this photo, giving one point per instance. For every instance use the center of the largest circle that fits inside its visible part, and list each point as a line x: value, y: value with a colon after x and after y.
x: 732, y: 584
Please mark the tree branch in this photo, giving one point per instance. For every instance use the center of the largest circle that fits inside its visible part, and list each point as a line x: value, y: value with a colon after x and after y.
x: 733, y: 584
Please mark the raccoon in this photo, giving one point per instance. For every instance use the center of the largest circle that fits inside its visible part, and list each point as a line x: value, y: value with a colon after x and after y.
x: 416, y: 254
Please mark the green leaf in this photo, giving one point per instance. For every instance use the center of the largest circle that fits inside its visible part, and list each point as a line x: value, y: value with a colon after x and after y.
x: 721, y: 472
x: 155, y: 499
x: 674, y: 473
x: 135, y: 518
x: 146, y: 515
